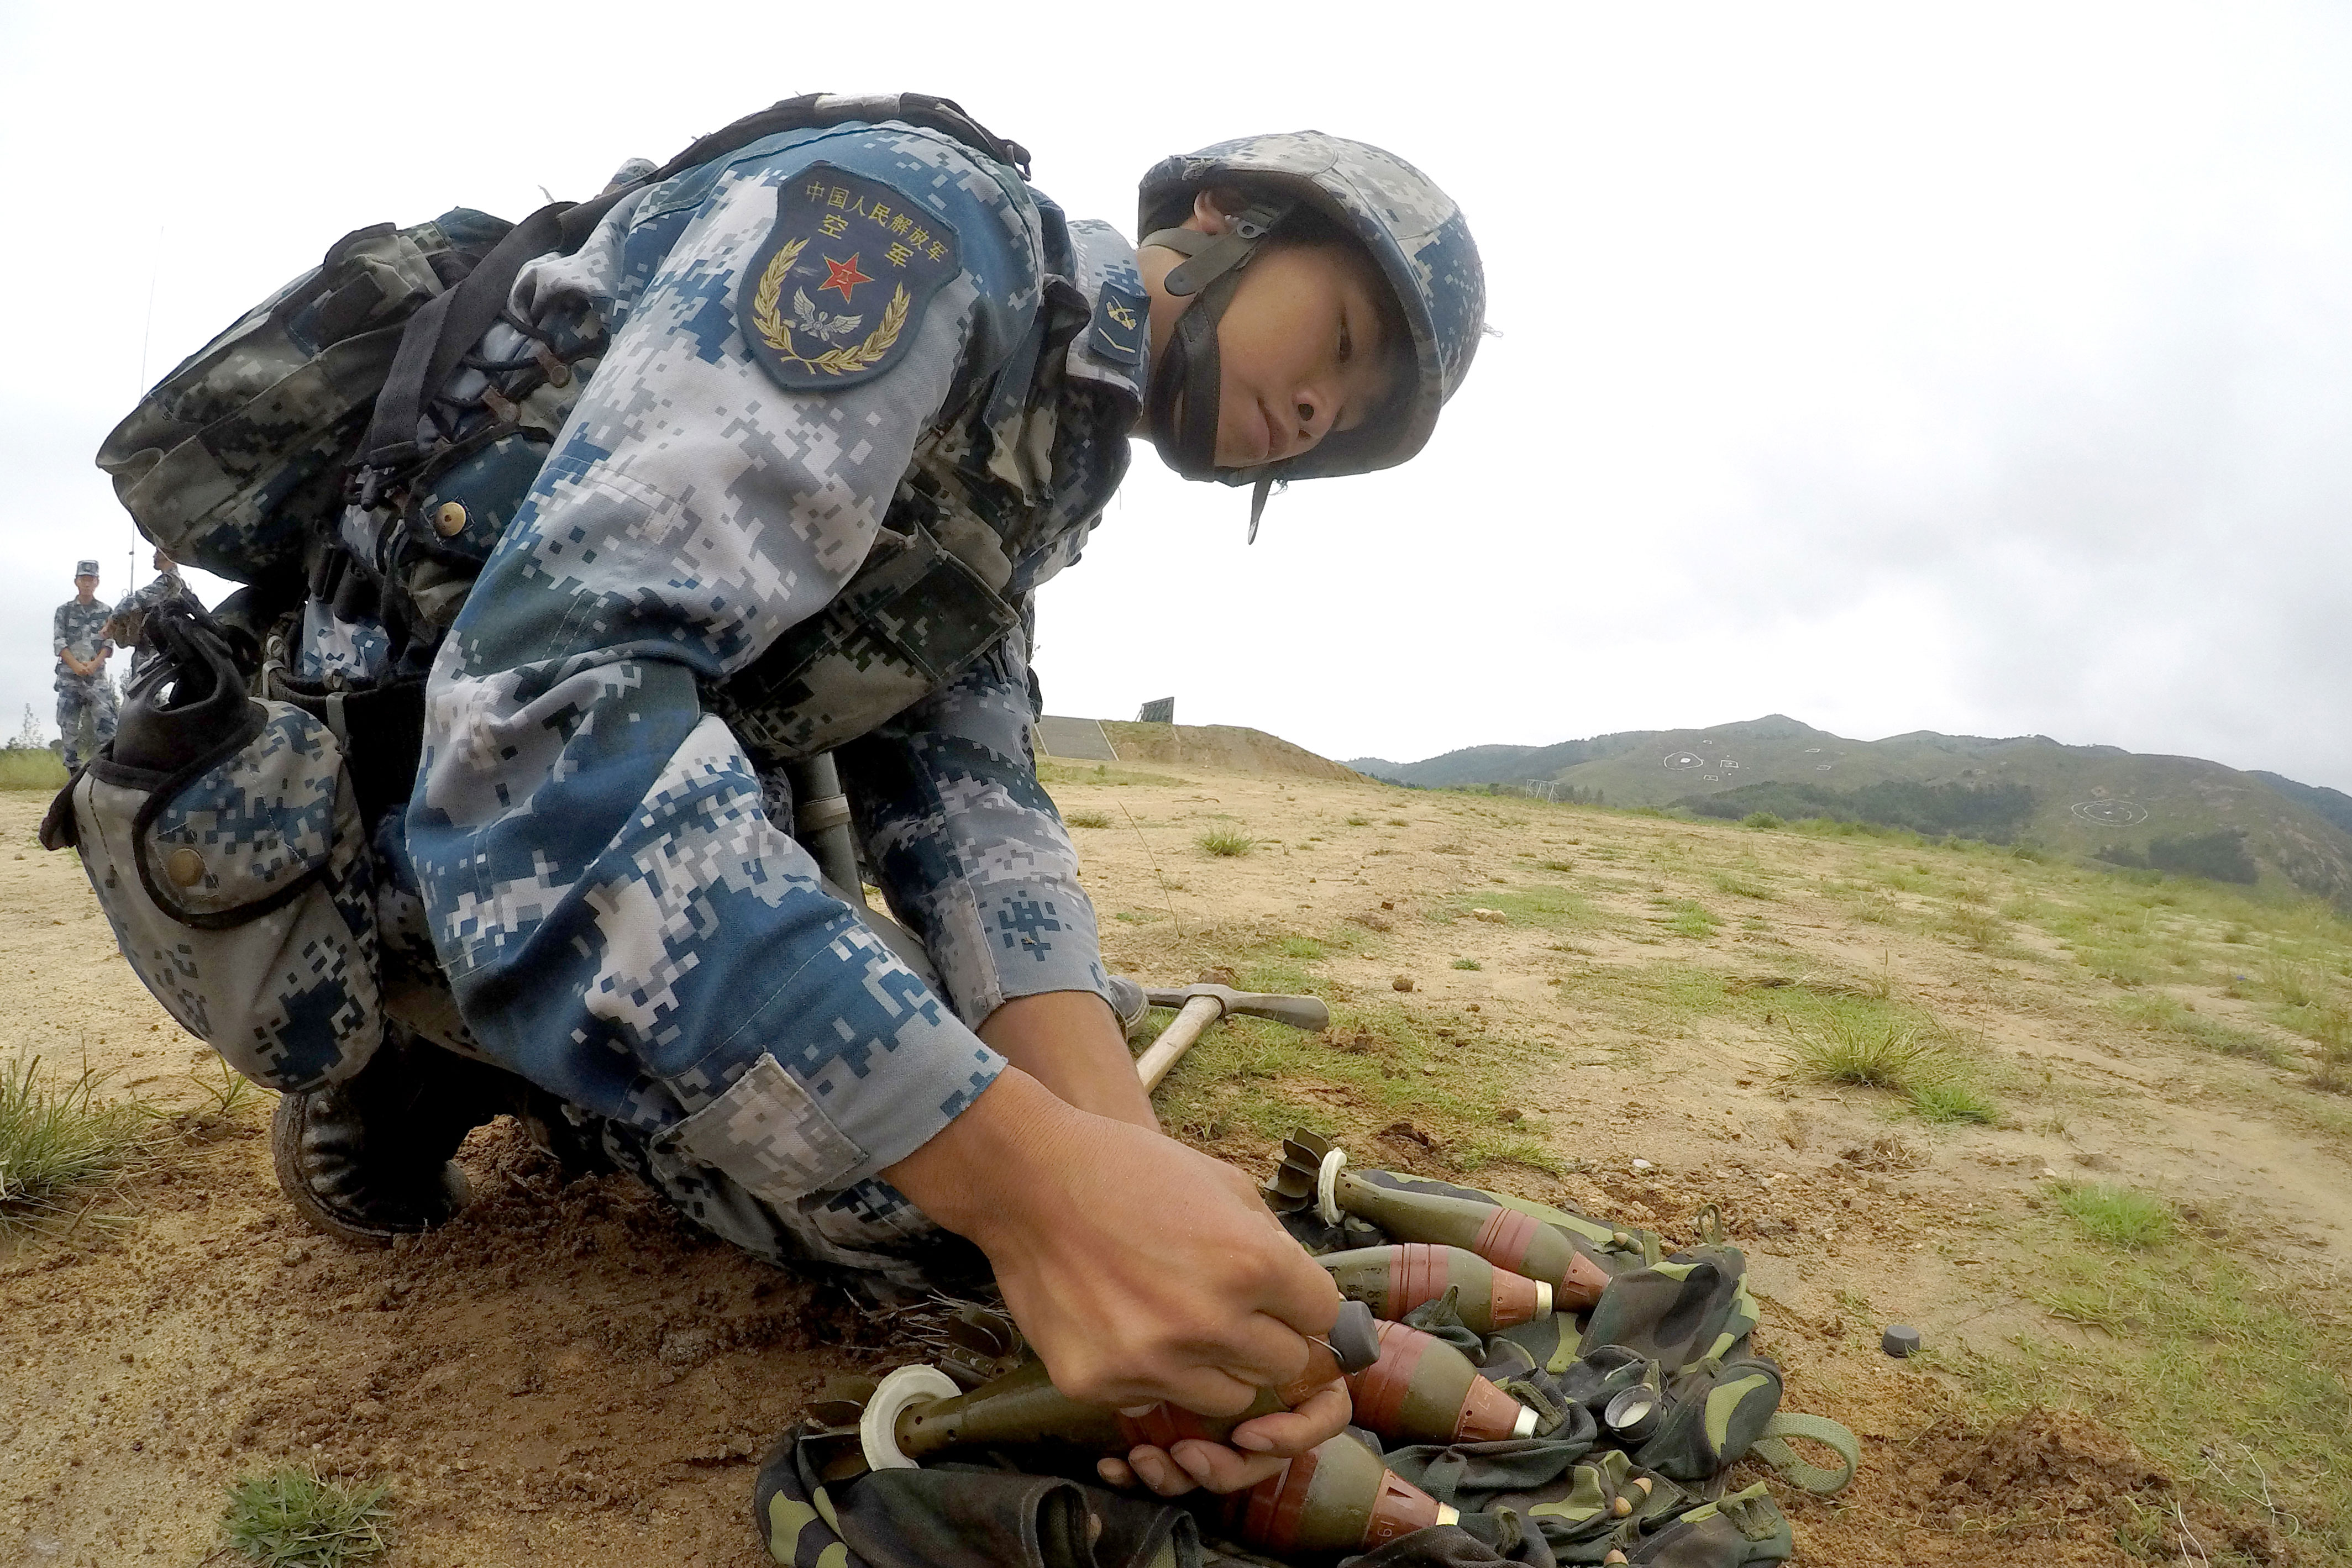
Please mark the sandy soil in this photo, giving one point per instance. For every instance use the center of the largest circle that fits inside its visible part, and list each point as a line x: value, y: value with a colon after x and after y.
x: 566, y: 1375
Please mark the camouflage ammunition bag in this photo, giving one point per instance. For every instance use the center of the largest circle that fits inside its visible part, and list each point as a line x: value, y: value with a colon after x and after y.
x: 223, y: 838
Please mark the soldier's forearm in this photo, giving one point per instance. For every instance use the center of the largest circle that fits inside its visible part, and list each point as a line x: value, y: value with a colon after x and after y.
x: 1070, y: 1042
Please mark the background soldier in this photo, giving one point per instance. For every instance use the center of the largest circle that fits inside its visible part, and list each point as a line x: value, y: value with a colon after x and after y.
x: 84, y: 694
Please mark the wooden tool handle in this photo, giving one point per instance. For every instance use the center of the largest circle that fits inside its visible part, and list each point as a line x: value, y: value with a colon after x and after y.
x: 1176, y: 1040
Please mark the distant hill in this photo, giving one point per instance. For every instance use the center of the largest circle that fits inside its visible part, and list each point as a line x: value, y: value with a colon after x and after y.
x: 2333, y: 804
x: 1230, y: 746
x: 2174, y: 813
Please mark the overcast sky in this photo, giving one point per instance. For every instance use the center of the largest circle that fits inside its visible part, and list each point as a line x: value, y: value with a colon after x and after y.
x: 1973, y: 368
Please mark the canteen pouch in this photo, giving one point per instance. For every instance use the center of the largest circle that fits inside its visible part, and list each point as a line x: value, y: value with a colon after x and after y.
x: 223, y: 841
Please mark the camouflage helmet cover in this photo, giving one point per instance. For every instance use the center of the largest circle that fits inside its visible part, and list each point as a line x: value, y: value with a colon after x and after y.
x: 1410, y: 227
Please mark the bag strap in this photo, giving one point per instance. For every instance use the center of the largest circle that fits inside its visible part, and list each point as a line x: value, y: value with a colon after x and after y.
x: 444, y: 328
x: 1772, y: 1448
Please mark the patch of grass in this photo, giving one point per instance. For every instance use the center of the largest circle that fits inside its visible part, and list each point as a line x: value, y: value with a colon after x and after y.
x: 1225, y: 842
x: 2228, y: 1374
x: 1468, y: 964
x: 31, y: 768
x: 2160, y: 1014
x: 60, y: 1147
x: 1955, y: 1099
x: 292, y: 1517
x: 1978, y: 929
x: 1538, y: 905
x: 2116, y: 1216
x: 1398, y: 822
x: 1086, y: 818
x: 1053, y: 771
x: 1685, y: 917
x: 1557, y: 865
x: 1360, y: 821
x: 1873, y: 1047
x: 1303, y: 947
x: 1742, y: 886
x: 2292, y: 983
x: 1760, y: 819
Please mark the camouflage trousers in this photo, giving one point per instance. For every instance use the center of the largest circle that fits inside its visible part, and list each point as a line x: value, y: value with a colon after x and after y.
x: 80, y: 702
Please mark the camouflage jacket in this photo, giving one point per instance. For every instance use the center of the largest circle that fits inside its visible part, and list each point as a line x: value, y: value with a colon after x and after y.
x: 81, y: 628
x: 623, y: 915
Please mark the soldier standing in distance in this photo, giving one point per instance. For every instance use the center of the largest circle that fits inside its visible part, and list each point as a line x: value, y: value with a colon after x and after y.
x: 824, y: 354
x: 82, y: 646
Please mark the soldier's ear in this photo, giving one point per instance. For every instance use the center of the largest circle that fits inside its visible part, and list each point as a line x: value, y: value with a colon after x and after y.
x: 1214, y: 210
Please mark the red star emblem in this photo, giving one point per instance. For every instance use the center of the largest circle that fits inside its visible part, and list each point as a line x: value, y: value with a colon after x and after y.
x: 844, y: 275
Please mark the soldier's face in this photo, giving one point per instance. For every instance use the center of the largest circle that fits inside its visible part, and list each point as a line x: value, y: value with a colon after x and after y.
x: 1299, y: 353
x: 1301, y: 350
x: 84, y: 585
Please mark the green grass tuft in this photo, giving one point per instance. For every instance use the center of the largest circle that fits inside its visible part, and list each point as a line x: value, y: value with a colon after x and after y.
x: 1955, y: 1099
x: 60, y: 1147
x: 1086, y: 818
x: 1468, y: 964
x: 291, y: 1518
x: 1685, y: 917
x: 1760, y: 819
x: 1872, y: 1048
x: 2116, y: 1216
x: 1225, y: 842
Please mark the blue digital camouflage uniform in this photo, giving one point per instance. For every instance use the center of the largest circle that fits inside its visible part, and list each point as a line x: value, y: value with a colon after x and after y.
x: 82, y: 628
x: 601, y: 858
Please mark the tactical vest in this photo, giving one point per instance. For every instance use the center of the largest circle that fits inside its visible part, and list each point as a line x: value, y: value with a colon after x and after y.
x: 353, y: 447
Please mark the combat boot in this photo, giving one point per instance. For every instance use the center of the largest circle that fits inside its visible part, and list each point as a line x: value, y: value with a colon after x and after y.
x: 368, y: 1159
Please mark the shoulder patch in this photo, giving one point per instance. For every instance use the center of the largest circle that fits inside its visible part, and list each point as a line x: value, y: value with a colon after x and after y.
x: 834, y: 293
x: 1120, y: 316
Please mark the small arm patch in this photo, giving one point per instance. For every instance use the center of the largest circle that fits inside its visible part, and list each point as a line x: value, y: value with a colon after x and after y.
x: 1118, y: 333
x: 834, y: 293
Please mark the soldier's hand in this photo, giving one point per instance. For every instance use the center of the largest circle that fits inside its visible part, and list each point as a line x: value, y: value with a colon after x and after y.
x: 1140, y: 1271
x: 1266, y: 1444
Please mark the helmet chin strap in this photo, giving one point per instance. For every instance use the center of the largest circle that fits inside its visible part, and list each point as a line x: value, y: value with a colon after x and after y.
x: 1187, y: 375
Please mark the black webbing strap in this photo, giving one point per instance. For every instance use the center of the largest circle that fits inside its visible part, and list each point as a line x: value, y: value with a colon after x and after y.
x: 444, y: 328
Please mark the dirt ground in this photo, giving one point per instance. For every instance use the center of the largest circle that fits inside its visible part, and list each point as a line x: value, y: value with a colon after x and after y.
x: 566, y: 1375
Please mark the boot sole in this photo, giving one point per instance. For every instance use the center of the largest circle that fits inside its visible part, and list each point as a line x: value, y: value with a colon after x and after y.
x: 284, y: 1156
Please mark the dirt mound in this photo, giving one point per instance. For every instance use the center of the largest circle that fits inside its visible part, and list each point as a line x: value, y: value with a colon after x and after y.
x: 1230, y: 747
x: 2050, y: 1487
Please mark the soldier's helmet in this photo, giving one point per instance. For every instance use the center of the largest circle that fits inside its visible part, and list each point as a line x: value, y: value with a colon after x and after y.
x: 1409, y: 225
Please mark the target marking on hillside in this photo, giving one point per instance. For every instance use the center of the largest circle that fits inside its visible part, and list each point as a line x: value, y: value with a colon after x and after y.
x: 1684, y: 761
x: 2111, y: 813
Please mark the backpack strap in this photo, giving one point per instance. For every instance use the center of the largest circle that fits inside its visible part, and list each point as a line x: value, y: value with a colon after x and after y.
x: 444, y: 328
x: 1772, y: 1448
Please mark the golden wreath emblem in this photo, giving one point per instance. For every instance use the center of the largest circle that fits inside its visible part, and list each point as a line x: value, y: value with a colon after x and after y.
x: 841, y: 362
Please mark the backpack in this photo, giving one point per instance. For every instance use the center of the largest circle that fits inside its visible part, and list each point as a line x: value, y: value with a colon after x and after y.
x: 250, y: 448
x: 348, y: 441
